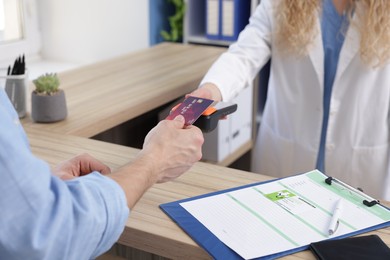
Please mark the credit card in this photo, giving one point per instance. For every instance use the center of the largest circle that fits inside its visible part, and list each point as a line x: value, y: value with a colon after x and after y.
x: 191, y: 109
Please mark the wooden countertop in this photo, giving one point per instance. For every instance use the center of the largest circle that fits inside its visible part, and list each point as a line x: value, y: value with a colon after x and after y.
x: 149, y: 228
x: 105, y: 94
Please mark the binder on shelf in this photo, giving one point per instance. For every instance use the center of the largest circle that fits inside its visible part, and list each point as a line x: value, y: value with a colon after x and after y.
x: 225, y: 19
x: 234, y: 17
x: 295, y: 211
x: 213, y: 19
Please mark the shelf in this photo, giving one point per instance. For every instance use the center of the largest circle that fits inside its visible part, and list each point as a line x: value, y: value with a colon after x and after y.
x: 200, y: 39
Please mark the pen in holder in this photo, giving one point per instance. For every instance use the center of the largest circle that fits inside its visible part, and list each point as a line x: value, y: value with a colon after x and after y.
x: 16, y: 88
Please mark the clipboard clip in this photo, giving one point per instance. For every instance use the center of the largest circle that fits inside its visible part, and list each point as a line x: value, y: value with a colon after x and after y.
x: 368, y: 201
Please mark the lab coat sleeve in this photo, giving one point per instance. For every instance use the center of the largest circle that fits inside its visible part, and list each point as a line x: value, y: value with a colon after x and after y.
x: 236, y: 68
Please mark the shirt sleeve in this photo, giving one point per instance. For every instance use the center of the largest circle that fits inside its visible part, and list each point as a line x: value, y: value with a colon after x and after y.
x: 104, y: 207
x: 44, y: 217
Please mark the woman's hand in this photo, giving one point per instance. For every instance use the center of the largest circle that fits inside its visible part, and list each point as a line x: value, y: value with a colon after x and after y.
x: 207, y: 90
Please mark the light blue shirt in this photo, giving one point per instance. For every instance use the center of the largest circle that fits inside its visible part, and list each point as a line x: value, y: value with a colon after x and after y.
x: 43, y: 217
x: 332, y: 26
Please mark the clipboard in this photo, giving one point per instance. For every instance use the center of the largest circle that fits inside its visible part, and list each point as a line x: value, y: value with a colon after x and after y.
x: 219, y: 250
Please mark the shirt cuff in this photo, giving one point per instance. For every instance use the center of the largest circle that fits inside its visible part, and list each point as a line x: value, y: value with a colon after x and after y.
x: 116, y: 210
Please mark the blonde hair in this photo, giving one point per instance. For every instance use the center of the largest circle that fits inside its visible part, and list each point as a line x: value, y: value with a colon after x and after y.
x: 297, y: 19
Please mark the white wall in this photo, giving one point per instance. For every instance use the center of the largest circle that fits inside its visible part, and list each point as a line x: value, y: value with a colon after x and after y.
x: 84, y: 31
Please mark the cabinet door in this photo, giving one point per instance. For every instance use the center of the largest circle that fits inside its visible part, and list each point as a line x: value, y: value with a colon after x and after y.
x: 242, y: 120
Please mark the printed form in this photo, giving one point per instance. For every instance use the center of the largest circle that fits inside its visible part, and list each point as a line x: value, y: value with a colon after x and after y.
x: 282, y: 215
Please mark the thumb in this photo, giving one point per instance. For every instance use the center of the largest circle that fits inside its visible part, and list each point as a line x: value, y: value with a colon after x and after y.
x: 180, y: 119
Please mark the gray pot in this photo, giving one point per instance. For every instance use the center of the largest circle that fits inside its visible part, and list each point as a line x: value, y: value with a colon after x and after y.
x: 47, y: 109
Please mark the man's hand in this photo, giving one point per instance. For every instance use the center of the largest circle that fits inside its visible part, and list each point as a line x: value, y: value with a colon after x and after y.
x: 80, y: 165
x: 172, y: 148
x: 169, y: 150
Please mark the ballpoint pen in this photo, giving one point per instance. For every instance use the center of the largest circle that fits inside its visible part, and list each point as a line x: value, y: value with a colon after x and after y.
x: 334, y: 222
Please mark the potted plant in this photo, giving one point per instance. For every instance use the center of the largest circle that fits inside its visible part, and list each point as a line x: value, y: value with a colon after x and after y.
x: 175, y: 22
x: 48, y: 103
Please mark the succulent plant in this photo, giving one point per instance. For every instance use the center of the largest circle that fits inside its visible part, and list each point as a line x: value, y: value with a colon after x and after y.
x: 47, y: 84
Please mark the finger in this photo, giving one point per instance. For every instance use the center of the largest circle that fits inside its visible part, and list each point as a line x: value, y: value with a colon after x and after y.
x: 89, y: 164
x: 197, y: 93
x: 180, y: 121
x: 193, y: 127
x: 179, y: 118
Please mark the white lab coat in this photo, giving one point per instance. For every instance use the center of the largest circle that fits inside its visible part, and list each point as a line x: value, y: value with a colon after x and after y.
x: 357, y: 144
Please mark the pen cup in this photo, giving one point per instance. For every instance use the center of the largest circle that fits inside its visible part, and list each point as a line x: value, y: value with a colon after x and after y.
x: 16, y: 88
